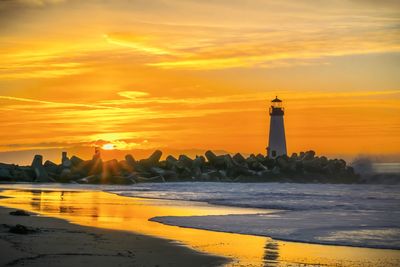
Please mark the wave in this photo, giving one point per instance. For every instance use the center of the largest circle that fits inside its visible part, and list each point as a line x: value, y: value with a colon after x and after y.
x: 352, y: 215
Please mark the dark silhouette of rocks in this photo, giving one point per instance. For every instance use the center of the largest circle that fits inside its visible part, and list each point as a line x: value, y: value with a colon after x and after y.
x: 304, y: 167
x: 65, y: 161
x: 130, y: 161
x: 41, y: 174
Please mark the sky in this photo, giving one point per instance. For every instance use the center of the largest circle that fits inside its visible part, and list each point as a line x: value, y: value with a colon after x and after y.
x: 187, y: 76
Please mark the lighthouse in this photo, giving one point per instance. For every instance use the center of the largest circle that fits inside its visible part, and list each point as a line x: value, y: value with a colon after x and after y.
x: 277, y: 140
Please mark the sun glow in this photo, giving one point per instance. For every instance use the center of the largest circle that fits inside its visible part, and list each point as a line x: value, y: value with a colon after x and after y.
x: 108, y: 146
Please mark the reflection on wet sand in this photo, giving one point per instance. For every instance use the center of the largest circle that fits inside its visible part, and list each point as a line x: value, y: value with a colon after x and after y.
x: 105, y: 210
x: 271, y: 255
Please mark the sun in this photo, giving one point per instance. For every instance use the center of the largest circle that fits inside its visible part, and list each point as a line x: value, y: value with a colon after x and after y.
x: 108, y: 146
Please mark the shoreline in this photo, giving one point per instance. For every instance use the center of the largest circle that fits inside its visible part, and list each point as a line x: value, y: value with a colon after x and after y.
x: 156, y: 219
x: 159, y: 219
x: 58, y: 242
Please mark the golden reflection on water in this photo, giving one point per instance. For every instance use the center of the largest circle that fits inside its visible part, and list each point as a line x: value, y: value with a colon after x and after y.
x: 105, y: 210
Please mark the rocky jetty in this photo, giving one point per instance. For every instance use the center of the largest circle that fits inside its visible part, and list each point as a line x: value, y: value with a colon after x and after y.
x: 304, y: 167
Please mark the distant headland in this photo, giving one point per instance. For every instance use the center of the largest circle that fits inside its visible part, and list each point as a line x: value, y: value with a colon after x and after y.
x: 304, y: 167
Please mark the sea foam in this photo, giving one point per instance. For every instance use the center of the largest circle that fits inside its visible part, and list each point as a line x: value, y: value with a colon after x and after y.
x: 355, y: 215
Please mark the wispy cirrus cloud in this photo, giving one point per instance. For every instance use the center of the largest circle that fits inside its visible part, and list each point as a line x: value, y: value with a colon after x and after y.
x: 305, y: 38
x: 137, y: 46
x: 139, y: 97
x: 52, y: 104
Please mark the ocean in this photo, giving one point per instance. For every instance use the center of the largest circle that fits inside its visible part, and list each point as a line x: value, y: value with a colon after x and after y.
x: 354, y: 215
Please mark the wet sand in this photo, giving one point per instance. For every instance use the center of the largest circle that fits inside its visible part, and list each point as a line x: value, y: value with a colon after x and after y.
x: 59, y: 243
x: 108, y: 211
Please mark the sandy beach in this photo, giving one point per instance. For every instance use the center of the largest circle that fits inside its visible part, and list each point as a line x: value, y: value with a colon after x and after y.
x: 59, y: 243
x: 80, y: 226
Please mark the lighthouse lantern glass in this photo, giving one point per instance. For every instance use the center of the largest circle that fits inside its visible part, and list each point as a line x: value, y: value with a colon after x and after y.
x: 277, y: 104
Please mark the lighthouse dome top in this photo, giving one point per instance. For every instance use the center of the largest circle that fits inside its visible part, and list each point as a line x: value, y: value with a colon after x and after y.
x: 276, y: 99
x: 276, y: 107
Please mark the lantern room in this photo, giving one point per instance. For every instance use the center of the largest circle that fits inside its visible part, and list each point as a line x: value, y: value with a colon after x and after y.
x: 276, y: 107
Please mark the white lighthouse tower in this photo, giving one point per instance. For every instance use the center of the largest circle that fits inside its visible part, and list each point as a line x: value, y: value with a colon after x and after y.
x: 277, y: 139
